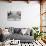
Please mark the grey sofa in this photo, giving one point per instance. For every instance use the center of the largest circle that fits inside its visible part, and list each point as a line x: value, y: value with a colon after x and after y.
x: 17, y: 35
x: 22, y: 38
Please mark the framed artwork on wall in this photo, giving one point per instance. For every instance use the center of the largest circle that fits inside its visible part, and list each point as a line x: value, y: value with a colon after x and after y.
x: 14, y: 16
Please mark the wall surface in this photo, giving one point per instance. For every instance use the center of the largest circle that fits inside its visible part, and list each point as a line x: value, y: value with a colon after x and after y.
x: 30, y: 14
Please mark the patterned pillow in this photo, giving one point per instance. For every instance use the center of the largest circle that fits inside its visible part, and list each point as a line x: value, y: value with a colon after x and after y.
x: 17, y: 30
x: 11, y: 30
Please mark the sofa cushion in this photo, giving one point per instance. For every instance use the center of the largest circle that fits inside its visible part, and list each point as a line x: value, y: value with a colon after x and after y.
x: 22, y: 38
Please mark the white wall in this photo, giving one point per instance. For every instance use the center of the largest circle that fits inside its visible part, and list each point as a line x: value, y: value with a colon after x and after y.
x: 30, y: 14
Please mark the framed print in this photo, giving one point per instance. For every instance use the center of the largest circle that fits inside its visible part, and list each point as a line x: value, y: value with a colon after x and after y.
x: 14, y: 16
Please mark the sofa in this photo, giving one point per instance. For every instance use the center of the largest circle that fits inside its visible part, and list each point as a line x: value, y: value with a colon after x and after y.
x: 17, y: 34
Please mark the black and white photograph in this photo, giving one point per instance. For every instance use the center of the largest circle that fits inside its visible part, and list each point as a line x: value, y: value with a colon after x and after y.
x: 14, y: 16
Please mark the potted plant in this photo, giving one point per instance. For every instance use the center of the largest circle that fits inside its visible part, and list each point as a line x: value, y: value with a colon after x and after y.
x: 37, y: 33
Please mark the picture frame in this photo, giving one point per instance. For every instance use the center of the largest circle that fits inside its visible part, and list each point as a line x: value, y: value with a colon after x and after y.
x: 14, y: 16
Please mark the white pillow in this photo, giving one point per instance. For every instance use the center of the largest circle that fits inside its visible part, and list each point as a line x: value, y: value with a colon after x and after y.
x: 23, y: 31
x: 5, y: 32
